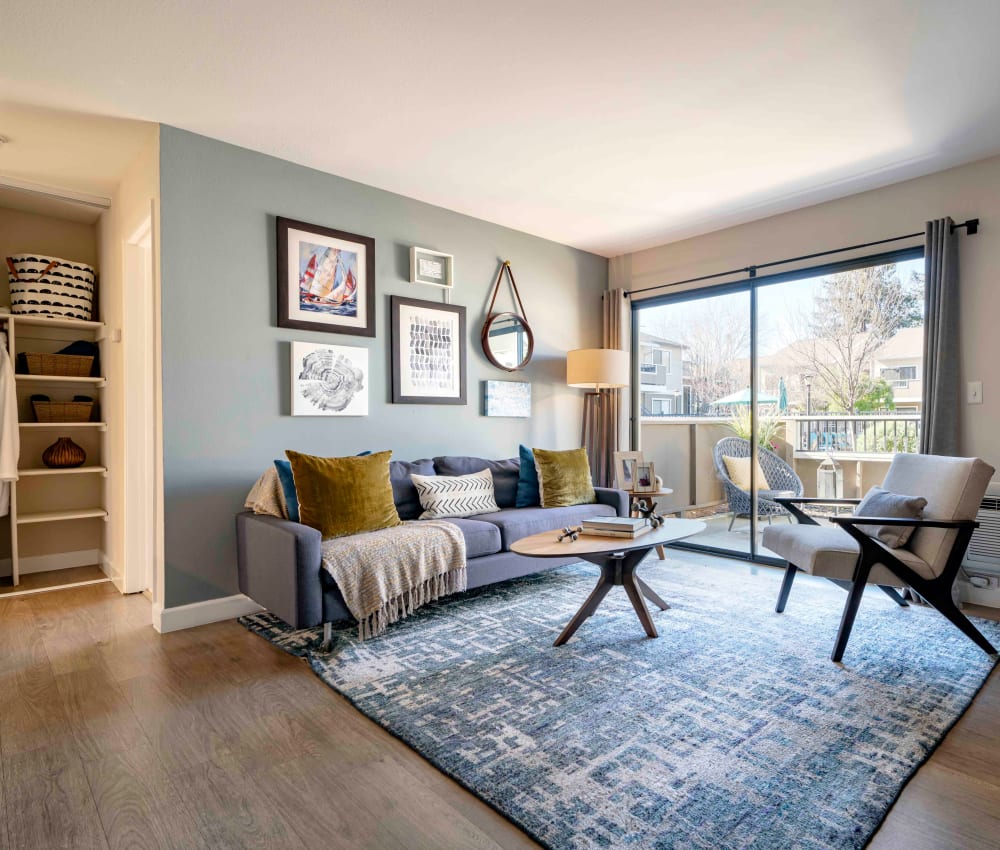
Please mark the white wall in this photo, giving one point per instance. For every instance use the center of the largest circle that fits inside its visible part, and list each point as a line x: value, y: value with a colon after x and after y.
x: 970, y: 191
x: 136, y: 195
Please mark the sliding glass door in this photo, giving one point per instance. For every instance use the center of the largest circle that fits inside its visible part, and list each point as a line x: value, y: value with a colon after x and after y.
x: 796, y: 384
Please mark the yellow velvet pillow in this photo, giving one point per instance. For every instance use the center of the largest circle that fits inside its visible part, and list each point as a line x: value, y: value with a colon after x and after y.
x: 739, y: 473
x: 564, y: 478
x: 344, y: 495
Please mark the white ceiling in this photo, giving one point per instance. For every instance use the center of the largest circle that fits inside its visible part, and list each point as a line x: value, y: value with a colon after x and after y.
x: 610, y: 126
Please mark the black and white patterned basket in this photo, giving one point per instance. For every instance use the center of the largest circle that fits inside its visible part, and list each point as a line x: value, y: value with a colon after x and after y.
x: 51, y: 286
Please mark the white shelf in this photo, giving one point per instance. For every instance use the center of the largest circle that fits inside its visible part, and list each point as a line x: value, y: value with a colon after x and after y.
x: 103, y: 426
x: 57, y: 379
x: 51, y: 322
x: 76, y: 470
x: 58, y: 516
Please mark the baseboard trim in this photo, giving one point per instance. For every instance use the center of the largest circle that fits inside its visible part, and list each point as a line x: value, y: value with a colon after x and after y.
x: 202, y: 613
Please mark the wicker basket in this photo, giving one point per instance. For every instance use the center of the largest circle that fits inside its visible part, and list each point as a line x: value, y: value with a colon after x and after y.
x: 63, y: 411
x: 64, y: 365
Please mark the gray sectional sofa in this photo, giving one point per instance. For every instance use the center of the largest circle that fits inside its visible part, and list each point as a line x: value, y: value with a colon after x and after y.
x: 280, y: 566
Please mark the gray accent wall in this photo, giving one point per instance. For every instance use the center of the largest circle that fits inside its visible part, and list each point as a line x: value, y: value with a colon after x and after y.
x: 226, y: 364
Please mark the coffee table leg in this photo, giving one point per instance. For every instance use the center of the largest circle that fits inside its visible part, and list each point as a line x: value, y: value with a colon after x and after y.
x: 588, y: 608
x: 650, y: 594
x: 661, y: 553
x: 635, y: 595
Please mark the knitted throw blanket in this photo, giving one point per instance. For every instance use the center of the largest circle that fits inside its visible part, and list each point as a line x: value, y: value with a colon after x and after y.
x: 386, y: 575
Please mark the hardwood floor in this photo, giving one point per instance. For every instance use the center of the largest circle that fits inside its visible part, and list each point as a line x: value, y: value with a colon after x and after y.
x: 112, y: 736
x: 50, y: 579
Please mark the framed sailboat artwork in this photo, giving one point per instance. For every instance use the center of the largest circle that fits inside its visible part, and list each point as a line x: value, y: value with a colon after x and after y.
x: 326, y: 279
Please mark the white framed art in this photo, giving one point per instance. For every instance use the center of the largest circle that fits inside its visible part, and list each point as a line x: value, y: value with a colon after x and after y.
x: 329, y: 380
x: 432, y: 267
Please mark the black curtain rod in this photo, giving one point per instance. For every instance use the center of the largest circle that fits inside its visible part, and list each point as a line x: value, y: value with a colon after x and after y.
x: 971, y: 228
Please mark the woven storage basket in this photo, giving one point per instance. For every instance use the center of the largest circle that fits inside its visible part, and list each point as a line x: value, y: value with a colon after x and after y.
x: 64, y: 365
x: 63, y: 411
x: 51, y: 286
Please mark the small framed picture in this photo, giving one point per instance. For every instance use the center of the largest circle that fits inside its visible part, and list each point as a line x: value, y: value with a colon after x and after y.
x: 432, y: 267
x: 645, y: 477
x: 428, y: 352
x: 329, y: 380
x: 326, y: 279
x: 507, y: 398
x: 625, y: 469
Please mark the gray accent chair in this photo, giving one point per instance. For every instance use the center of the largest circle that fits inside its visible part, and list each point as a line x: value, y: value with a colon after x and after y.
x: 928, y: 563
x: 781, y: 481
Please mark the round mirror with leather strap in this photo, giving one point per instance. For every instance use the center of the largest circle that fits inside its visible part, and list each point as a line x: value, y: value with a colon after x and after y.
x: 508, y: 342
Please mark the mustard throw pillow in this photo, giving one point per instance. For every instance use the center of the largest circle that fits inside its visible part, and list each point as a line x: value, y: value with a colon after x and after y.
x: 564, y: 478
x: 344, y: 495
x: 739, y: 473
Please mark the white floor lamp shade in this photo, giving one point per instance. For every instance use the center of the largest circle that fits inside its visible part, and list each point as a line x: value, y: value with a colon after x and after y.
x: 597, y: 369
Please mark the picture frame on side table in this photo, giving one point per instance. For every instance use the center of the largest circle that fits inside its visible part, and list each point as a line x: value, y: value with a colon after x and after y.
x: 326, y: 279
x: 329, y: 380
x: 432, y: 267
x: 645, y: 477
x: 428, y: 352
x: 625, y: 469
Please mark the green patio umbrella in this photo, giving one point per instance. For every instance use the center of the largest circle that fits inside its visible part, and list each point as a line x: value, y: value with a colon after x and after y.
x: 782, y: 396
x: 743, y: 397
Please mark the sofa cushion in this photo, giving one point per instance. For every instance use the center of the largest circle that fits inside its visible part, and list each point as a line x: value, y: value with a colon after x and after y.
x: 527, y: 481
x: 404, y: 493
x: 515, y: 523
x: 564, y: 478
x: 481, y: 538
x: 505, y: 474
x: 339, y: 496
x: 445, y: 496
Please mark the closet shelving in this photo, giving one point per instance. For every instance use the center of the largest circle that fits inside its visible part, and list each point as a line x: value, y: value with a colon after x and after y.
x: 42, y: 495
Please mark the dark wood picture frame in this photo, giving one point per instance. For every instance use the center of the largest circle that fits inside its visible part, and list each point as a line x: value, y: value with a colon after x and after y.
x: 290, y: 314
x: 399, y: 387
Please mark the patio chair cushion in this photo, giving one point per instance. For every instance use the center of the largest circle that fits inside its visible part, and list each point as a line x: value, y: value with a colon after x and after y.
x: 739, y: 472
x: 880, y: 502
x: 832, y: 553
x: 954, y: 487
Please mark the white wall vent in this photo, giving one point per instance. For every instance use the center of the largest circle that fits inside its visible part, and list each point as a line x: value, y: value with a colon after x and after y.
x: 983, y: 553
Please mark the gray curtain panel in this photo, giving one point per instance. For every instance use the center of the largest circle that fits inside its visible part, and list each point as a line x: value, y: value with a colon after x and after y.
x: 605, y: 438
x: 942, y: 394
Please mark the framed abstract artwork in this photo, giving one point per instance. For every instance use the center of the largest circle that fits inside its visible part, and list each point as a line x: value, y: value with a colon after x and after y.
x: 326, y: 279
x: 507, y: 398
x: 432, y: 267
x: 428, y: 352
x: 329, y: 380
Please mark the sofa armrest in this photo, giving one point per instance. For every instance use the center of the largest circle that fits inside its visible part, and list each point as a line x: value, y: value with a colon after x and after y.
x: 279, y: 564
x: 618, y: 499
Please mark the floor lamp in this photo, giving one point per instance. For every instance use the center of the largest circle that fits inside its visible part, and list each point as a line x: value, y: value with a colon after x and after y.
x: 596, y: 369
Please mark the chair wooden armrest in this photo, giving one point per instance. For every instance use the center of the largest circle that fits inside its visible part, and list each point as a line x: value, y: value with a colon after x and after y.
x: 919, y: 523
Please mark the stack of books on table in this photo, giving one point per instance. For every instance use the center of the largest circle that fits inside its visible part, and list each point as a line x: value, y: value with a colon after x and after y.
x: 616, y: 526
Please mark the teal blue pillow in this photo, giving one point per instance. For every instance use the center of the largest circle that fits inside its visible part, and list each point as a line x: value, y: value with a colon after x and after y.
x: 288, y: 488
x: 528, y: 495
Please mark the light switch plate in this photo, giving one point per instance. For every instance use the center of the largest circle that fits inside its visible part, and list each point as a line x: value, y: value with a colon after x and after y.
x: 974, y: 392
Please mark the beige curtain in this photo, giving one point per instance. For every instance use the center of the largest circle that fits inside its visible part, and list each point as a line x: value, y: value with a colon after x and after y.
x: 613, y: 419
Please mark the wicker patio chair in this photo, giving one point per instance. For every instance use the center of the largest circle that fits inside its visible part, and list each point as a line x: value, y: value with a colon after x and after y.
x: 781, y: 481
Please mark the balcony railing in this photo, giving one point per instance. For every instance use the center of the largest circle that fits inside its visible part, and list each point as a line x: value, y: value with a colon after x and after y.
x: 854, y: 434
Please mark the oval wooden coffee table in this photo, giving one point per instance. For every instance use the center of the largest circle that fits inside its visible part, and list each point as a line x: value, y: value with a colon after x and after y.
x: 617, y: 557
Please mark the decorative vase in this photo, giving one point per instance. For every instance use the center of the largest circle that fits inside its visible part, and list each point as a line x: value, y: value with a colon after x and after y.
x: 63, y: 454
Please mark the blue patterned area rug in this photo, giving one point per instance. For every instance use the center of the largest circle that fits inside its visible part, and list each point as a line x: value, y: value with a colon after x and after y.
x: 732, y: 730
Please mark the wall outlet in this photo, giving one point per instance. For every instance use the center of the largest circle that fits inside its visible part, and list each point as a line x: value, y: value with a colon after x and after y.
x: 974, y: 392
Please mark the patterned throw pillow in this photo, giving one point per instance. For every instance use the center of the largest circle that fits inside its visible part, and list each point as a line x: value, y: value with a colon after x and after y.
x: 443, y: 496
x: 879, y: 502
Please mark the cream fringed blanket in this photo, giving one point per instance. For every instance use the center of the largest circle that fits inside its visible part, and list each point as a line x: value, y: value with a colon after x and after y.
x: 386, y: 575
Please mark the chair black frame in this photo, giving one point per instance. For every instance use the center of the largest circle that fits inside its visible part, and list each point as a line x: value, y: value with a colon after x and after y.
x: 936, y: 591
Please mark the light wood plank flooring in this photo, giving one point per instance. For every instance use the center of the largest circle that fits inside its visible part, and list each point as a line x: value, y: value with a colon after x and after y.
x: 113, y: 736
x: 44, y: 581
